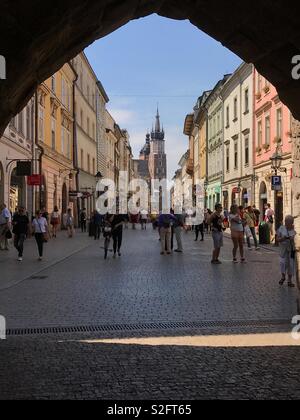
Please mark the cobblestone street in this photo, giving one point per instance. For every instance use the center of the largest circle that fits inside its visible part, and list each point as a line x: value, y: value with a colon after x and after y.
x: 232, y: 323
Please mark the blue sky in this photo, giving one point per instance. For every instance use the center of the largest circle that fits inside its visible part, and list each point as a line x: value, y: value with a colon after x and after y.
x: 157, y: 60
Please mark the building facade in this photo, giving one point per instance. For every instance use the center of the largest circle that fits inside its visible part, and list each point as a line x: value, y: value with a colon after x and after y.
x: 17, y: 144
x: 55, y: 116
x: 237, y: 95
x: 215, y: 142
x: 86, y: 132
x: 273, y: 134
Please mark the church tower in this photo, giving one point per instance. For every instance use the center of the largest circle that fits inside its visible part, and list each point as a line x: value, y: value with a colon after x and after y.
x: 158, y: 157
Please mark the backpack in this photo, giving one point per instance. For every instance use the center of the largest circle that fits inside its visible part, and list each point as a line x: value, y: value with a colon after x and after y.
x: 166, y: 222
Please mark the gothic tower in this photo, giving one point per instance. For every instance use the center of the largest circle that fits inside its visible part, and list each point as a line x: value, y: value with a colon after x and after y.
x: 158, y: 157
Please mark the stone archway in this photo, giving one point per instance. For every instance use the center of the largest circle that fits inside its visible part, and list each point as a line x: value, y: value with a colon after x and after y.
x: 36, y: 41
x: 2, y: 184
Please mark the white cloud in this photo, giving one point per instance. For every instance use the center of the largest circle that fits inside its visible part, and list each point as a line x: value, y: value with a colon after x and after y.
x: 123, y: 116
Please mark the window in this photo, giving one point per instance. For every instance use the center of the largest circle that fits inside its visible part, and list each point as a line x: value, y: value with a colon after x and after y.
x: 81, y: 118
x: 53, y: 83
x: 53, y: 134
x: 228, y: 158
x: 28, y: 123
x: 20, y: 123
x: 88, y: 163
x: 63, y: 91
x: 88, y: 126
x: 41, y: 124
x: 88, y: 94
x: 259, y: 83
x: 236, y: 155
x: 268, y: 131
x: 235, y: 109
x: 279, y: 123
x: 227, y: 117
x: 246, y: 101
x: 81, y: 159
x: 259, y: 134
x: 94, y: 166
x: 247, y: 151
x: 63, y: 140
x: 68, y: 144
x: 93, y: 133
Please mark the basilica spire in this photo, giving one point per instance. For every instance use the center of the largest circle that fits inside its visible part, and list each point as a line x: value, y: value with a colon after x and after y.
x: 157, y: 124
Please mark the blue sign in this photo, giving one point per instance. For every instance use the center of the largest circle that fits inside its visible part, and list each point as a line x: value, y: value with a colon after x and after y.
x: 276, y: 183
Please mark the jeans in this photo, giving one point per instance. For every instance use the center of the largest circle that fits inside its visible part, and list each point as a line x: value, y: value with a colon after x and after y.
x: 178, y: 233
x: 254, y: 237
x: 39, y: 237
x: 83, y: 226
x: 117, y: 238
x: 165, y: 237
x: 200, y: 229
x: 97, y: 229
x: 19, y: 243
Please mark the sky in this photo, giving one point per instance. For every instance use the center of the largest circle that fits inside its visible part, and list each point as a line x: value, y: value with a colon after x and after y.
x: 158, y: 61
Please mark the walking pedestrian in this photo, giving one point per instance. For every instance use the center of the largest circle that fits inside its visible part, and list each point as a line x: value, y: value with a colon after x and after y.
x: 199, y: 229
x: 165, y: 228
x: 237, y: 233
x: 97, y: 223
x: 41, y: 231
x: 5, y: 220
x: 55, y: 221
x: 217, y: 227
x: 117, y: 221
x: 177, y: 227
x: 70, y: 224
x: 21, y: 230
x: 286, y: 239
x: 144, y: 219
x: 83, y: 220
x: 250, y: 218
x: 269, y: 219
x: 45, y: 214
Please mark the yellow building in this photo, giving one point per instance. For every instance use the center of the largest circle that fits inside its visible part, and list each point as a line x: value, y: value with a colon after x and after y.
x: 86, y: 131
x: 55, y: 139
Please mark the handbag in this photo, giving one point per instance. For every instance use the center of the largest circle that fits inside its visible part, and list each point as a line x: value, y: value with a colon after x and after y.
x: 248, y: 232
x: 45, y: 234
x: 8, y: 234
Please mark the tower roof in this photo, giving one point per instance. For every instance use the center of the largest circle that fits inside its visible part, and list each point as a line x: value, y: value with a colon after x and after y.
x: 157, y: 132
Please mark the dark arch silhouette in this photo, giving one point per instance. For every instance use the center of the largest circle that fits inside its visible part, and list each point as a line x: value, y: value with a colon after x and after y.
x: 37, y: 38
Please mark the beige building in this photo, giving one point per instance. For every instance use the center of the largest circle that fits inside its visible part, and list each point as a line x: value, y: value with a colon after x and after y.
x: 86, y: 92
x: 238, y: 180
x: 55, y: 140
x: 16, y: 144
x: 101, y: 101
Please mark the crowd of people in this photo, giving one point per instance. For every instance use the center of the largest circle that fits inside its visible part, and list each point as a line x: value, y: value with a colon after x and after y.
x: 242, y: 223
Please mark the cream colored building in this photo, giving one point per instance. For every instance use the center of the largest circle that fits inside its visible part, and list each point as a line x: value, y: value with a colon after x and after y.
x: 16, y: 144
x: 238, y: 180
x: 101, y: 101
x: 55, y: 140
x: 86, y: 159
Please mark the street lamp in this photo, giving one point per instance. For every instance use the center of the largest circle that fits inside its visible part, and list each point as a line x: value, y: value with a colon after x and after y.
x: 276, y: 160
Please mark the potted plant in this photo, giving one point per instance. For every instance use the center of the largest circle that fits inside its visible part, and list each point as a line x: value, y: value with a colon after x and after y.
x: 266, y: 147
x: 267, y: 89
x: 277, y: 140
x: 258, y: 149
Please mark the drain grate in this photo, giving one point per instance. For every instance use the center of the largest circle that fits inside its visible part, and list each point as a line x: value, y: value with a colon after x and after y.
x: 148, y: 327
x: 38, y: 277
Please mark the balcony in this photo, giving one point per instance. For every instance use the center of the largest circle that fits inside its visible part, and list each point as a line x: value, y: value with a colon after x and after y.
x: 190, y: 167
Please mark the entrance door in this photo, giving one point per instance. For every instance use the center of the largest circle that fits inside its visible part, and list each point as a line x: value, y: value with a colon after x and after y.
x: 278, y: 210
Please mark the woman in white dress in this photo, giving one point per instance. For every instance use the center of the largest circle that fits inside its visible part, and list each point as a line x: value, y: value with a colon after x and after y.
x: 286, y: 239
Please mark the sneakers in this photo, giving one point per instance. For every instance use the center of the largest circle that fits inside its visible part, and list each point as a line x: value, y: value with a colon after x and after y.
x: 20, y: 259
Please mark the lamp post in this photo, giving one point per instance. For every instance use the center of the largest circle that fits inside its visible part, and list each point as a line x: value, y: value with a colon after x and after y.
x: 276, y: 165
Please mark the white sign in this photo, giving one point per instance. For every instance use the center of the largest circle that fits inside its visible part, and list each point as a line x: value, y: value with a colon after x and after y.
x: 2, y: 68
